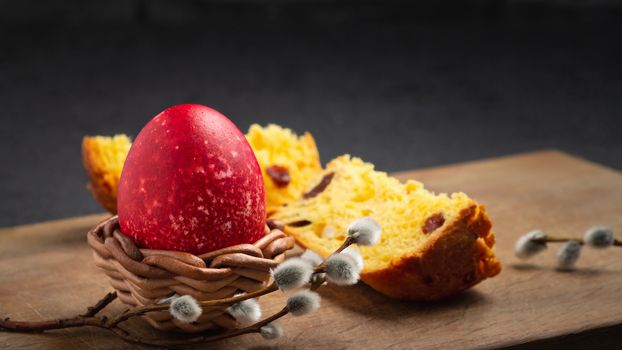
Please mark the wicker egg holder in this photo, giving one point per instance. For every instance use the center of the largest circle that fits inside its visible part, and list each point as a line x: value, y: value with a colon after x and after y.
x: 146, y: 276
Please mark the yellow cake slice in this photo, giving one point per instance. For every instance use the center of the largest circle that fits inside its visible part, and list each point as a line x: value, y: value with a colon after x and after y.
x: 432, y: 245
x: 288, y: 162
x: 103, y: 159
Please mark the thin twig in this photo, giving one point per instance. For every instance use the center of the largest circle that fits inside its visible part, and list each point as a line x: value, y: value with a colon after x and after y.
x: 39, y: 326
x: 86, y: 319
x: 348, y: 242
x: 139, y: 311
x: 545, y: 240
x: 93, y: 310
x: 548, y: 239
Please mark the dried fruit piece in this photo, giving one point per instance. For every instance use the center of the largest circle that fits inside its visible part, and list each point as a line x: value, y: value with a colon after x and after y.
x: 433, y: 222
x: 299, y: 223
x: 319, y: 188
x: 279, y: 175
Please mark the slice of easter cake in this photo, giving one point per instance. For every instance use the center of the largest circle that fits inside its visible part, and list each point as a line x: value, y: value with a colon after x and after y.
x: 103, y: 158
x: 432, y: 245
x: 288, y: 162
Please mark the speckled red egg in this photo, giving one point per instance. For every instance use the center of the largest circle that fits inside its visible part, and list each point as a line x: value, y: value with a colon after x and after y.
x: 191, y: 183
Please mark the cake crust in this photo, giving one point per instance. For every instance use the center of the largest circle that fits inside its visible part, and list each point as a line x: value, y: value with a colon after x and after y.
x: 451, y: 260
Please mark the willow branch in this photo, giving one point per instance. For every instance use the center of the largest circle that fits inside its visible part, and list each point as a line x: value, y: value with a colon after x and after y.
x: 254, y: 328
x: 348, y: 242
x: 139, y: 311
x: 39, y: 326
x: 86, y: 319
x: 93, y: 310
x: 547, y: 239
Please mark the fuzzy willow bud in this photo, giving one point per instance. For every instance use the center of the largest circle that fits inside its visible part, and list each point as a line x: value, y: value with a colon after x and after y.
x: 568, y: 254
x: 185, y: 309
x: 341, y: 269
x: 365, y: 231
x: 599, y: 237
x: 526, y: 247
x: 271, y: 331
x: 354, y: 254
x: 292, y: 273
x: 246, y: 311
x: 303, y: 302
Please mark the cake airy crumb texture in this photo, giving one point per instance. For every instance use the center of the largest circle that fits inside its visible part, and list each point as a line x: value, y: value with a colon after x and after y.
x: 281, y: 153
x: 432, y: 246
x: 103, y: 158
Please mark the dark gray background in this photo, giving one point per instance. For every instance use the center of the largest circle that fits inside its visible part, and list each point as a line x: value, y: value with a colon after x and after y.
x: 403, y: 85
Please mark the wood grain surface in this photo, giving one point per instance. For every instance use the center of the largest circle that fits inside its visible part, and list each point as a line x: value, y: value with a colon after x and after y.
x: 46, y: 271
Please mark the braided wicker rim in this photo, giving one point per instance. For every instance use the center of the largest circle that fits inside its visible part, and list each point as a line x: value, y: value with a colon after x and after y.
x: 145, y: 276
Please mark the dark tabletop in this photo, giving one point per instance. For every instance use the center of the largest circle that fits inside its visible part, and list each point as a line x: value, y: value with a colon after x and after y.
x: 402, y: 86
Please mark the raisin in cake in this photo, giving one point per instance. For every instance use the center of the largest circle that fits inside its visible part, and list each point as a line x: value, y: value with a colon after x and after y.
x: 103, y: 159
x: 432, y: 245
x: 288, y: 162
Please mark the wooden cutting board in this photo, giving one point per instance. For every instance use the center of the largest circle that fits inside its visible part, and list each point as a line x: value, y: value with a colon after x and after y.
x: 46, y: 271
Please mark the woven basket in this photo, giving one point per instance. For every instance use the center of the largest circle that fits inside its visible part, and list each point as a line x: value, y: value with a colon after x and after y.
x: 145, y: 276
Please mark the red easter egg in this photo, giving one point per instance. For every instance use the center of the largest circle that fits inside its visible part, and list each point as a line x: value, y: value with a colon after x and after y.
x: 191, y: 183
